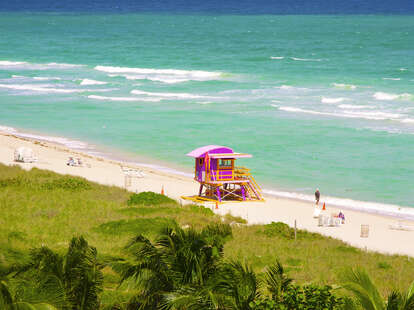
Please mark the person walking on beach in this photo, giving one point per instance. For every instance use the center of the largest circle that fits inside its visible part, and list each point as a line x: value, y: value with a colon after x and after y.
x: 317, y: 196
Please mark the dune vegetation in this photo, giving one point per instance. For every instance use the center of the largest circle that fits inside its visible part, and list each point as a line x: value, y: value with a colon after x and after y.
x: 67, y: 243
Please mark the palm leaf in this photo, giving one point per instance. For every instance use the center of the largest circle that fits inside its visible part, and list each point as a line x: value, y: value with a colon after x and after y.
x: 359, y: 283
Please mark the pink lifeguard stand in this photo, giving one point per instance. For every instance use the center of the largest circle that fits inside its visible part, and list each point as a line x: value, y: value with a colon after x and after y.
x: 220, y: 179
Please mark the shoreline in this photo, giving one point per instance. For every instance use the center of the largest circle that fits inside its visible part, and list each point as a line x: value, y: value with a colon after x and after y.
x: 53, y: 156
x: 124, y: 158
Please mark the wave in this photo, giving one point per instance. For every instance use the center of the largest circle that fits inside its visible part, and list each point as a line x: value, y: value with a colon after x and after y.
x: 346, y: 114
x: 392, y: 79
x: 41, y: 78
x: 167, y: 95
x: 123, y: 98
x: 380, y: 115
x: 167, y: 80
x: 48, y: 88
x: 353, y: 106
x: 332, y: 100
x: 74, y: 144
x: 350, y: 204
x: 305, y: 59
x: 40, y: 88
x: 387, y: 96
x: 277, y: 57
x: 11, y: 63
x: 92, y: 82
x: 345, y: 86
x: 161, y: 75
x: 403, y: 69
x: 36, y: 66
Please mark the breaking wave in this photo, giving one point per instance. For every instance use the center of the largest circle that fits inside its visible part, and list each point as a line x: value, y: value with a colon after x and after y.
x: 92, y: 82
x: 332, y: 100
x: 170, y: 76
x: 387, y: 96
x: 305, y: 59
x: 345, y: 86
x: 167, y: 95
x: 123, y: 98
x: 350, y: 204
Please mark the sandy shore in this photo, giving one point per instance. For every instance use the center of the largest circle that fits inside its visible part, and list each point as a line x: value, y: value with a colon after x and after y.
x: 381, y: 237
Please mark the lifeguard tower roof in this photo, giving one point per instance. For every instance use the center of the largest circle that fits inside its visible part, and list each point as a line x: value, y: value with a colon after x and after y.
x: 216, y: 151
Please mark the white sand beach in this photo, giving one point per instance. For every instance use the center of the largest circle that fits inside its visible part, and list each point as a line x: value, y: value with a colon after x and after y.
x: 105, y: 171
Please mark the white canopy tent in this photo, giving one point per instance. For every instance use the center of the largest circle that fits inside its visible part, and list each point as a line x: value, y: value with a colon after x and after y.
x: 24, y: 155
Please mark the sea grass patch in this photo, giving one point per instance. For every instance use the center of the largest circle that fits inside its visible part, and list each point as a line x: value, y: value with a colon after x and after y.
x: 134, y: 226
x: 149, y: 199
x: 142, y: 211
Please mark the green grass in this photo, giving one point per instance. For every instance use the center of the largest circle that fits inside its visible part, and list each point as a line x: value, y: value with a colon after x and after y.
x: 40, y: 207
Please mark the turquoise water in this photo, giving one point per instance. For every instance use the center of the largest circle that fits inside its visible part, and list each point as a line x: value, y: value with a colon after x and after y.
x: 320, y: 101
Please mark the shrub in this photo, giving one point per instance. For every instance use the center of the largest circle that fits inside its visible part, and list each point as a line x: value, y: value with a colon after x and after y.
x: 201, y: 210
x: 384, y: 265
x: 278, y: 229
x: 307, y: 297
x: 149, y: 199
x: 66, y: 182
x: 135, y: 226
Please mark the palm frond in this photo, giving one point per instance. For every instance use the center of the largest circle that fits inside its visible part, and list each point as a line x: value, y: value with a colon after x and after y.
x: 359, y: 283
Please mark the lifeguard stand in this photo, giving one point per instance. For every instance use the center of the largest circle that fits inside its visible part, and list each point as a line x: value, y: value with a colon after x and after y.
x: 220, y: 179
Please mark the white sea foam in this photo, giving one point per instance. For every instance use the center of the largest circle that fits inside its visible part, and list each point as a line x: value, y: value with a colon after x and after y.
x: 60, y: 140
x: 39, y: 88
x: 285, y: 87
x: 365, y: 206
x: 304, y: 59
x: 380, y: 115
x: 159, y: 78
x: 387, y: 96
x: 167, y: 95
x: 354, y: 106
x: 161, y: 75
x: 34, y: 66
x: 63, y: 65
x: 345, y: 86
x: 7, y: 129
x: 408, y: 120
x: 392, y: 79
x: 92, y: 82
x: 277, y: 57
x: 332, y: 100
x: 346, y: 114
x: 17, y: 76
x: 11, y: 63
x: 45, y: 78
x: 123, y: 98
x: 403, y: 69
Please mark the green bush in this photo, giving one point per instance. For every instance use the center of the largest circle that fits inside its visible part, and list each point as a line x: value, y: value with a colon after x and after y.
x: 384, y: 265
x: 149, y: 199
x: 68, y: 183
x: 307, y: 297
x: 278, y: 229
x: 201, y: 210
x: 65, y: 182
x: 135, y: 226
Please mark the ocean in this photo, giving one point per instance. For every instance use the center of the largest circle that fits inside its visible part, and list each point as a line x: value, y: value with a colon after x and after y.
x: 321, y: 100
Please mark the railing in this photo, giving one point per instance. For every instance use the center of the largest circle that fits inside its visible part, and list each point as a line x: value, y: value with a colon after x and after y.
x: 241, y: 173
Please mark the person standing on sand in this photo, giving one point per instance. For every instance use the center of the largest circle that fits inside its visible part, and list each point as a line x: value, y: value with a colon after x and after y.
x: 317, y: 196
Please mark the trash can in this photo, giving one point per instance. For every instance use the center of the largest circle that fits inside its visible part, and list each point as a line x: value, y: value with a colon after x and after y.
x: 364, y: 230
